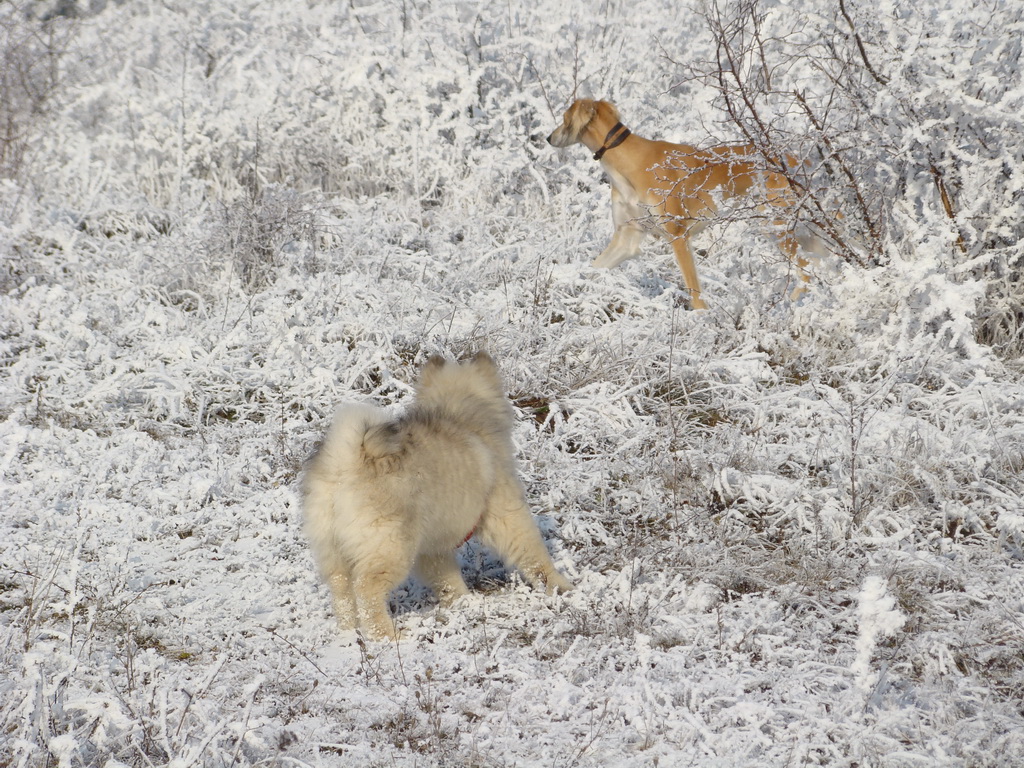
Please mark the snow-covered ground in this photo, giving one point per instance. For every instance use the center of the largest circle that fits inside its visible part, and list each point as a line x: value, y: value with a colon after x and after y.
x: 796, y: 529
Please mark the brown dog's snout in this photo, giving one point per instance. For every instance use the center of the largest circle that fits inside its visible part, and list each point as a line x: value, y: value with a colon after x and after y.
x: 557, y: 138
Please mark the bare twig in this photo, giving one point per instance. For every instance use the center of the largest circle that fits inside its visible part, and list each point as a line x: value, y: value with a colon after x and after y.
x: 878, y: 78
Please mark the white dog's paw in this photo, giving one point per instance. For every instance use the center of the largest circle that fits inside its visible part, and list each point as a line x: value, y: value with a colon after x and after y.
x: 379, y: 632
x: 377, y: 625
x: 345, y: 613
x: 556, y: 583
x: 563, y: 585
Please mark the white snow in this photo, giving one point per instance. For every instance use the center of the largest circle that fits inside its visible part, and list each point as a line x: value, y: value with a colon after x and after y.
x: 880, y: 618
x: 796, y: 529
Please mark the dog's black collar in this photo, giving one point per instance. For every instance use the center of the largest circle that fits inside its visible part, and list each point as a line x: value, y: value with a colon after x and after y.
x: 611, y: 141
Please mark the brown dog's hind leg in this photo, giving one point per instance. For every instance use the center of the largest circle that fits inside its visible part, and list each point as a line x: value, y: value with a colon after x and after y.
x: 781, y: 197
x: 684, y: 258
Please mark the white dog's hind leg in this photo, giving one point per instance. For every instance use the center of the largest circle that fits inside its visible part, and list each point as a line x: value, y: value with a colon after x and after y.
x: 340, y: 582
x: 442, y: 574
x: 373, y: 580
x: 510, y: 530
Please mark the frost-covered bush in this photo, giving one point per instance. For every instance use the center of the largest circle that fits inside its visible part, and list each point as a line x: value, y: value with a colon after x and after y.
x: 31, y: 73
x: 907, y: 120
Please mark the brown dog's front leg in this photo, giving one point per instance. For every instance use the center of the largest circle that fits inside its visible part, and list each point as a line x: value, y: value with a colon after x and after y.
x: 681, y: 248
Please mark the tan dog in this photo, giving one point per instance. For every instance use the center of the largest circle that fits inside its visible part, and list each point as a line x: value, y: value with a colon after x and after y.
x: 671, y: 189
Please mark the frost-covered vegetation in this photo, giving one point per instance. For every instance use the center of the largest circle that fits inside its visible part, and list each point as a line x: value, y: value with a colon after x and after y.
x: 796, y: 528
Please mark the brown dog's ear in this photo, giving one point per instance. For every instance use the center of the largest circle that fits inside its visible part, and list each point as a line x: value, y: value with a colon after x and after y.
x: 574, y: 122
x: 607, y: 111
x: 583, y: 112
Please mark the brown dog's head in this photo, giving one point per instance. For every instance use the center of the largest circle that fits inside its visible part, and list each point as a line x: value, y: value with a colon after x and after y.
x: 579, y: 117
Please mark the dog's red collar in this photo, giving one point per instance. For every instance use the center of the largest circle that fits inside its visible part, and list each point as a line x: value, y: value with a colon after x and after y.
x: 469, y: 535
x: 615, y: 136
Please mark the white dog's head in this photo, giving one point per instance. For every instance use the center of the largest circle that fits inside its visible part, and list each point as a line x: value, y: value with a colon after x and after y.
x: 470, y: 392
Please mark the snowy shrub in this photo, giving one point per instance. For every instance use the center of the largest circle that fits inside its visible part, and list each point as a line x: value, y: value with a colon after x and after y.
x: 879, y: 619
x: 31, y: 72
x: 257, y: 234
x: 906, y: 120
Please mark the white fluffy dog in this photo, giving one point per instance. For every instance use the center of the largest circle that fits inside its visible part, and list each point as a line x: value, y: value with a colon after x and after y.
x: 383, y: 496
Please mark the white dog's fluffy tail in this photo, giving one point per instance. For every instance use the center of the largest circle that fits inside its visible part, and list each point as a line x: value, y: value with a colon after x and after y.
x: 355, y: 429
x: 340, y: 455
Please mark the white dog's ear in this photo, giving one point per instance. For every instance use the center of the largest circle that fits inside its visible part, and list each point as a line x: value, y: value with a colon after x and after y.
x: 430, y: 369
x: 483, y: 358
x: 435, y: 361
x: 382, y: 441
x: 485, y: 366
